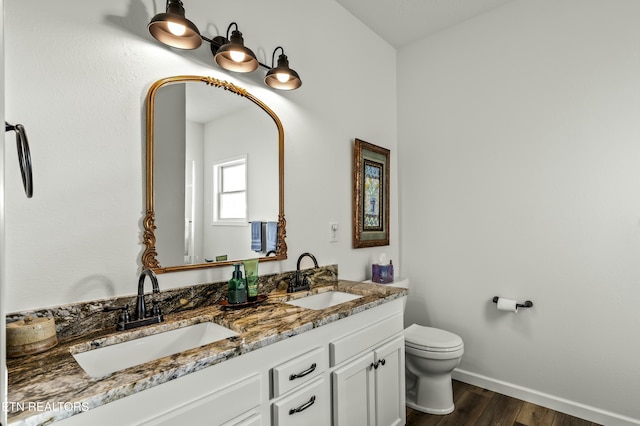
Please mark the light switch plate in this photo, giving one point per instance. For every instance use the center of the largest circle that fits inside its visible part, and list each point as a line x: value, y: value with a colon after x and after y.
x: 333, y: 232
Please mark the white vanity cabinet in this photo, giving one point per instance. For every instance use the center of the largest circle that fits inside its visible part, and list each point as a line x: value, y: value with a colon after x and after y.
x: 368, y: 389
x: 286, y: 383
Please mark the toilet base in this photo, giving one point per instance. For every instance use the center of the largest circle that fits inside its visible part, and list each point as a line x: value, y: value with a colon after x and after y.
x: 440, y: 411
x: 435, y: 394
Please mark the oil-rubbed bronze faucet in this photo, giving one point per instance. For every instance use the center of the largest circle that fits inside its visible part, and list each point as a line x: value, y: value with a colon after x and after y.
x: 141, y: 317
x: 301, y: 281
x: 141, y: 308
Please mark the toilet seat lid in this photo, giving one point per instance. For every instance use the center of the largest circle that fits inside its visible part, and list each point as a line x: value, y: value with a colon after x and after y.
x: 431, y: 339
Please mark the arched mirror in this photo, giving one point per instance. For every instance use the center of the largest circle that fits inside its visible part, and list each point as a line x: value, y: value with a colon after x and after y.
x: 214, y: 178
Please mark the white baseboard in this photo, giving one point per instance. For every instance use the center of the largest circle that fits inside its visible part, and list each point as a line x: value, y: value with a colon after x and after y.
x: 555, y: 403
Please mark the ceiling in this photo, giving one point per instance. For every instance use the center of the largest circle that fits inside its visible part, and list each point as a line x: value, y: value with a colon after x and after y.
x: 401, y: 22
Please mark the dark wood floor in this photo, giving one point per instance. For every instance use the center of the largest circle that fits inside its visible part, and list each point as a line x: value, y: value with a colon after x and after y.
x: 476, y: 406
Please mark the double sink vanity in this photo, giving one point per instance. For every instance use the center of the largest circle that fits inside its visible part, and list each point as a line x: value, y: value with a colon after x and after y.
x: 330, y: 355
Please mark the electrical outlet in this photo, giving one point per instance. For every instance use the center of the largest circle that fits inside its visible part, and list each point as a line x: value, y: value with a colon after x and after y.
x: 333, y: 229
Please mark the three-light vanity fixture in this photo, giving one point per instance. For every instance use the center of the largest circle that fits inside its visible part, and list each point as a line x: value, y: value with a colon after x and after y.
x: 173, y: 29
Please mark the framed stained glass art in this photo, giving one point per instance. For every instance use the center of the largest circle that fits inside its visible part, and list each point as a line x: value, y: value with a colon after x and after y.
x: 370, y: 195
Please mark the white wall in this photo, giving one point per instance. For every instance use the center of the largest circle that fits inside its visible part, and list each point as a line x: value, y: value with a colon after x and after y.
x: 77, y: 77
x: 519, y: 147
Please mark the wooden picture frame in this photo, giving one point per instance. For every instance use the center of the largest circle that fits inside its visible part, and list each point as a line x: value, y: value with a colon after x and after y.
x: 370, y: 195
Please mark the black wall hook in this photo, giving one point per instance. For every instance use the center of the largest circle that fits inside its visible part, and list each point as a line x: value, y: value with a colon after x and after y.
x: 24, y: 156
x: 526, y: 304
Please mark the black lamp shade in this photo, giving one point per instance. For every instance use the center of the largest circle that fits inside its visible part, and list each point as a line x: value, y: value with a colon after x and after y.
x: 272, y: 80
x: 161, y: 25
x: 234, y: 56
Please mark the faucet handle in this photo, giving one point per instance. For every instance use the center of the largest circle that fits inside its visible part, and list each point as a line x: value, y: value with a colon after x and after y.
x: 124, y: 308
x: 155, y: 309
x: 124, y: 316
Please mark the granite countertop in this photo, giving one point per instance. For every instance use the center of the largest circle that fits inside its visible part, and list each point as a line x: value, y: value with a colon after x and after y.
x: 52, y: 383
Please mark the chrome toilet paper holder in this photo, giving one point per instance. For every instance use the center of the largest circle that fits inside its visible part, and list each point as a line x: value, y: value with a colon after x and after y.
x: 526, y: 304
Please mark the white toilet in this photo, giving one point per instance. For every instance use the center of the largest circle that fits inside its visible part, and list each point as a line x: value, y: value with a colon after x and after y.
x: 431, y: 355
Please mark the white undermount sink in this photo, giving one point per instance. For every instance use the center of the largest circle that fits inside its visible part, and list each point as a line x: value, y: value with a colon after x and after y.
x: 108, y: 359
x: 323, y: 300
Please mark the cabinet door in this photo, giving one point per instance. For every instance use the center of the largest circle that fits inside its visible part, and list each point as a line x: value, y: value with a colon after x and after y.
x: 353, y: 388
x: 389, y: 378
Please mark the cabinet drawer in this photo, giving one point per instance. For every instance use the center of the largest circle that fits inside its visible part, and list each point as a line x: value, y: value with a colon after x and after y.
x: 308, y: 406
x: 214, y: 408
x: 352, y: 344
x: 298, y: 371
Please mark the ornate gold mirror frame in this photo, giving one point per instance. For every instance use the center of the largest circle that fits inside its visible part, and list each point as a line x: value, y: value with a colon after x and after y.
x: 149, y: 257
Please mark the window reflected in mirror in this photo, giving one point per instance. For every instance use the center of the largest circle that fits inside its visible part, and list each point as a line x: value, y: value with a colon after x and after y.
x: 230, y: 191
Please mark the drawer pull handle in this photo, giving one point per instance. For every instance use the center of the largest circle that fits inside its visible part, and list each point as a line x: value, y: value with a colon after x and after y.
x: 304, y: 373
x: 303, y: 406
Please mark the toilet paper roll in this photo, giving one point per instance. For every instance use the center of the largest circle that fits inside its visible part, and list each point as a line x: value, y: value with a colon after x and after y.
x: 507, y: 305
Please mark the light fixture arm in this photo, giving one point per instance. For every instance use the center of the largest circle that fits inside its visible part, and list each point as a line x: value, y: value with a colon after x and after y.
x: 273, y: 56
x: 229, y: 28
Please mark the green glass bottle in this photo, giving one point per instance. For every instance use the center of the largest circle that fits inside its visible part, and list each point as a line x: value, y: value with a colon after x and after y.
x: 251, y: 276
x: 237, y: 286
